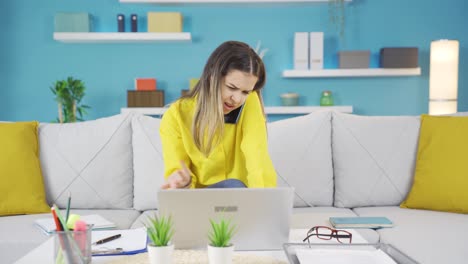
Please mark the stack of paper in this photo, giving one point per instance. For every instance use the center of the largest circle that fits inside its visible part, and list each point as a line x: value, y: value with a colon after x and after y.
x: 48, y: 225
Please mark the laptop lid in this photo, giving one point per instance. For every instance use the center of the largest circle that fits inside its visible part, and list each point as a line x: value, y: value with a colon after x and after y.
x: 261, y: 216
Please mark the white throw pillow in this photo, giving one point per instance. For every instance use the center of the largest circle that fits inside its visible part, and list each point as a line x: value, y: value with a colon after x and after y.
x: 92, y: 160
x: 373, y: 158
x: 147, y: 161
x: 300, y: 148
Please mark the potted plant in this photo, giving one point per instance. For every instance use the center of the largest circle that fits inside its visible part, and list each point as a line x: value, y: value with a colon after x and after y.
x: 68, y: 95
x: 336, y: 13
x: 220, y: 249
x: 160, y: 231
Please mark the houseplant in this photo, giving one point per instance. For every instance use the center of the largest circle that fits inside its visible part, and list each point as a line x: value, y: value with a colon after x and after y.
x: 220, y: 249
x: 68, y: 95
x: 336, y: 13
x: 160, y: 231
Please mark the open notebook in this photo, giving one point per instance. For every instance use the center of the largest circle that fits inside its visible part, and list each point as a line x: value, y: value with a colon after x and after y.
x: 47, y: 225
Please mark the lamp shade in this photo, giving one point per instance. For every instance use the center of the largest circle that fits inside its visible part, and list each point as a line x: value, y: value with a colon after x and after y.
x: 443, y: 77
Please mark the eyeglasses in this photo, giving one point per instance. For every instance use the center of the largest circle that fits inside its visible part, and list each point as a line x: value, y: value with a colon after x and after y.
x: 327, y: 233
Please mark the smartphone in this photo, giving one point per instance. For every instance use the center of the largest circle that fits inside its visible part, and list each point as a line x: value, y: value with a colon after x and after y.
x: 233, y: 116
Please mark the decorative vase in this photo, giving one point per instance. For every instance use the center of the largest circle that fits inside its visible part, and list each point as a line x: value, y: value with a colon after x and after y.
x: 326, y: 99
x: 220, y: 255
x: 160, y: 255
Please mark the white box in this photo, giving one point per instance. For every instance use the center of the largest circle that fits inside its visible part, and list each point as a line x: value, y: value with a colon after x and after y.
x: 316, y: 50
x: 301, y: 50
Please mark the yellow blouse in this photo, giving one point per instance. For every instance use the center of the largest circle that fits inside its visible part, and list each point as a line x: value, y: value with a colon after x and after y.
x: 243, y: 153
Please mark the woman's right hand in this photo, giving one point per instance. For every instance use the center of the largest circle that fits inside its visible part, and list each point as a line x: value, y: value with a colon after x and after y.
x: 179, y: 179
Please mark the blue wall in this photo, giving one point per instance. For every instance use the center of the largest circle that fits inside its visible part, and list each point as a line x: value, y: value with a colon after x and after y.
x: 31, y: 60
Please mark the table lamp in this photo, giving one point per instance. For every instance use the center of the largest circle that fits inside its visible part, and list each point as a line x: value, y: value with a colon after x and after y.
x: 443, y: 77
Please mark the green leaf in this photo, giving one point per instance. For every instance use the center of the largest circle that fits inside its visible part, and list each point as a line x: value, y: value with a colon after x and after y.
x: 160, y: 230
x: 221, y: 232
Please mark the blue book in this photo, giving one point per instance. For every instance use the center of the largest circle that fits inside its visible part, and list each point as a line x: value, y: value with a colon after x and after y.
x: 360, y: 222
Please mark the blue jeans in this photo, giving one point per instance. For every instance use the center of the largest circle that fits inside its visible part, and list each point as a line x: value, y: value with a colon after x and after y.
x: 229, y: 183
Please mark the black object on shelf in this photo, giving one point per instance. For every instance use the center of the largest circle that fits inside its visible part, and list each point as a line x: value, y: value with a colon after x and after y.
x: 121, y: 23
x: 134, y: 24
x: 400, y: 57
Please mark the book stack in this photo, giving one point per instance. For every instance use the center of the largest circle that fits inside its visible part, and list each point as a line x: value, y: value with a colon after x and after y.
x: 145, y: 94
x: 360, y: 222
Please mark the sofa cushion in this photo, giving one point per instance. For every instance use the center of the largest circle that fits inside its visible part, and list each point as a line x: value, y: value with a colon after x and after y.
x: 300, y: 149
x: 147, y: 161
x: 427, y: 236
x: 92, y: 160
x: 441, y: 168
x: 373, y: 158
x: 21, y: 184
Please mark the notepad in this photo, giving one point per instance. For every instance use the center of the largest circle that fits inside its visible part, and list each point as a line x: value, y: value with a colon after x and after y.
x: 131, y: 241
x: 47, y: 225
x: 360, y: 222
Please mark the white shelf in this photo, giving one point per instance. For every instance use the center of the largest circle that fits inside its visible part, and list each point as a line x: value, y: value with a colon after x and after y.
x: 220, y: 1
x: 123, y: 37
x: 271, y: 110
x: 372, y: 72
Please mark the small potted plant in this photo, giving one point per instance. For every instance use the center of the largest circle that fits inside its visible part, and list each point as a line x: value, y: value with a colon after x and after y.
x: 160, y: 231
x: 68, y: 95
x: 220, y: 249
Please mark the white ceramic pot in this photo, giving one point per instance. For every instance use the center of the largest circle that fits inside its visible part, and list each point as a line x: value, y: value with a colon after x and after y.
x: 160, y: 255
x: 220, y: 255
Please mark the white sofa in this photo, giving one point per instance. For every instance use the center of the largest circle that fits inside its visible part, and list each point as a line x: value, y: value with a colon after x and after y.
x: 339, y: 164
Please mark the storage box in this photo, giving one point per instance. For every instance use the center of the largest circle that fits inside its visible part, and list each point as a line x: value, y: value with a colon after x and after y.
x: 301, y: 50
x: 73, y: 22
x: 165, y: 22
x: 145, y: 84
x: 316, y: 50
x: 145, y: 98
x: 354, y: 59
x: 184, y: 92
x: 402, y: 57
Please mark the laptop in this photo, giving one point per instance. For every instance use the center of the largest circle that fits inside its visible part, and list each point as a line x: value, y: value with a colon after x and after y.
x: 261, y: 216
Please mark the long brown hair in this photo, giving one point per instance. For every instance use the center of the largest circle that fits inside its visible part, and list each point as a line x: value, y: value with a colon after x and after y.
x: 208, y: 121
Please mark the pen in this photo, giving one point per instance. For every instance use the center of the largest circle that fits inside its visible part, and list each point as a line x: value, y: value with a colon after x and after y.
x: 107, y: 239
x: 68, y: 207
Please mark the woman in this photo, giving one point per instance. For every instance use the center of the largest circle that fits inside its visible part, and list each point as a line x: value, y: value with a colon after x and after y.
x: 215, y: 136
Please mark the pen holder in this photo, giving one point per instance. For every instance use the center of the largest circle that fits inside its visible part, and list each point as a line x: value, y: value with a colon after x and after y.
x: 72, y: 247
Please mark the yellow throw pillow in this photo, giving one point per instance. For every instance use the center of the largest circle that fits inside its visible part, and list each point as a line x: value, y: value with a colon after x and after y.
x: 21, y: 184
x: 441, y: 175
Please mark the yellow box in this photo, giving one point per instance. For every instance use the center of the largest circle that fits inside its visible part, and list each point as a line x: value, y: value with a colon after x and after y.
x: 165, y: 22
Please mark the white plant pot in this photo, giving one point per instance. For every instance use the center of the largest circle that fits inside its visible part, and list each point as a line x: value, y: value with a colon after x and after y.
x: 160, y: 255
x: 220, y: 255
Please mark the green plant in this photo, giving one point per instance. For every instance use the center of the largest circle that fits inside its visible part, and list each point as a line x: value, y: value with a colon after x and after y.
x: 160, y: 230
x: 221, y: 233
x: 336, y: 13
x: 68, y: 95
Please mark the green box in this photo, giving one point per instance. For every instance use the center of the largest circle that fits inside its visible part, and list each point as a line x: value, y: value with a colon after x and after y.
x: 73, y: 22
